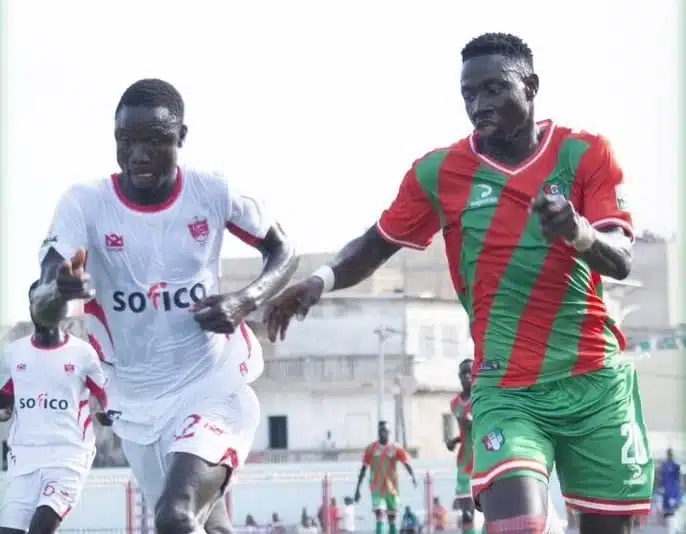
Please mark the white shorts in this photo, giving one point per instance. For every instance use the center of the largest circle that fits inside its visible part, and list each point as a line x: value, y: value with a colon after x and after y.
x: 56, y: 487
x: 216, y: 427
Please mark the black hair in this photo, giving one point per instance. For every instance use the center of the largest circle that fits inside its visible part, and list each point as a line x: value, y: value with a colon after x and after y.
x: 504, y: 44
x: 383, y: 424
x: 465, y: 361
x: 152, y: 92
x: 33, y: 287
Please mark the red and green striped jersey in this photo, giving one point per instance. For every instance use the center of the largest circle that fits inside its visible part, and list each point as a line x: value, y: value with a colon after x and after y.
x: 536, y: 310
x: 382, y: 461
x: 462, y: 409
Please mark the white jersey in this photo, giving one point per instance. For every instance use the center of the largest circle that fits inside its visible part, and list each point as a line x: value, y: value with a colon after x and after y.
x: 148, y: 266
x: 51, y: 388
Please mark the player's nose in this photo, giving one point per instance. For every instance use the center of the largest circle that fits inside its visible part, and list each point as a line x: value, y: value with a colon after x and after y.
x: 139, y: 155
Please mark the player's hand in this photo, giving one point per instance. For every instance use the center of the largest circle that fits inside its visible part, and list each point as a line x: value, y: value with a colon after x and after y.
x: 223, y: 314
x: 558, y: 217
x: 294, y: 301
x: 357, y: 495
x: 452, y: 443
x: 72, y: 280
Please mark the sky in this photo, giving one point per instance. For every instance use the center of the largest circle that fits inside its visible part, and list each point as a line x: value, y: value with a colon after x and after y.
x: 316, y: 107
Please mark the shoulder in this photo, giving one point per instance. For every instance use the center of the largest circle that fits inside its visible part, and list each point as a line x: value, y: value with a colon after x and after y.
x: 457, y: 152
x: 427, y: 169
x: 203, y: 177
x: 86, y: 194
x: 83, y: 347
x: 22, y: 343
x: 455, y: 403
x: 592, y: 140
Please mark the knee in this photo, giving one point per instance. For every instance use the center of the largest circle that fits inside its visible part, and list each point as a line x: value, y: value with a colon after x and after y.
x: 44, y: 521
x: 175, y: 517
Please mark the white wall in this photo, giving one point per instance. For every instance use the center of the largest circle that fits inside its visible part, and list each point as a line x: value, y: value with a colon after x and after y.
x: 344, y: 326
x: 351, y: 419
x: 675, y: 276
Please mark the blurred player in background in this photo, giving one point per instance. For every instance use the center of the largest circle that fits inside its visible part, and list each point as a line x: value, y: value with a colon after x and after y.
x: 51, y: 440
x: 461, y: 408
x: 381, y: 458
x: 670, y: 487
x: 532, y: 215
x: 143, y: 247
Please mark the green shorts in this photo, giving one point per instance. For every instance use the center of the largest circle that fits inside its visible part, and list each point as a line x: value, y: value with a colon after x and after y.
x: 386, y: 502
x: 589, y: 426
x: 463, y: 488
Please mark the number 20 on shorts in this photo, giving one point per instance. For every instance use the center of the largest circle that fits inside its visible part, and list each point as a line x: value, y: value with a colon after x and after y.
x: 634, y: 450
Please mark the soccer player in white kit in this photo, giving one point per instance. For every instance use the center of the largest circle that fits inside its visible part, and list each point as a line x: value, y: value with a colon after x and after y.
x: 51, y: 440
x: 143, y: 246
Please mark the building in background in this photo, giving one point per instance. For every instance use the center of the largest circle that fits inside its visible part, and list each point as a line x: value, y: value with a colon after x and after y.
x: 325, y: 378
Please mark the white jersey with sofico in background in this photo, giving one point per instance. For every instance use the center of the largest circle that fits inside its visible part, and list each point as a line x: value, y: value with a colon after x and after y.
x: 148, y: 266
x: 51, y: 422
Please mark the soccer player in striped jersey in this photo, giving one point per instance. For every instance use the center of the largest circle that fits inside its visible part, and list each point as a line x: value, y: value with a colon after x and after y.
x: 460, y: 406
x: 381, y: 458
x: 533, y: 214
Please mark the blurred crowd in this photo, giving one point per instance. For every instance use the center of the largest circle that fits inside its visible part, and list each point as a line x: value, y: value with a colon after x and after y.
x: 339, y: 520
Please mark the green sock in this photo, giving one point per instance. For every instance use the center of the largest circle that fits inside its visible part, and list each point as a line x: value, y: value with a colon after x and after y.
x: 470, y: 530
x: 379, y: 527
x: 392, y: 529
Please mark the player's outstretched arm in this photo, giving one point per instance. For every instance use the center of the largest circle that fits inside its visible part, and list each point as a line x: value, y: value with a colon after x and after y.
x: 410, y: 221
x: 356, y: 261
x: 360, y: 258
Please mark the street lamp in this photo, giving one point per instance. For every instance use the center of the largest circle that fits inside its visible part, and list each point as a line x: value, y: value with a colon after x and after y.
x: 382, y: 333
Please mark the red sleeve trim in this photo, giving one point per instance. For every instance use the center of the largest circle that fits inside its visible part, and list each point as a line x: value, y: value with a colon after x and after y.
x: 8, y: 388
x: 99, y: 393
x: 384, y: 234
x: 244, y: 236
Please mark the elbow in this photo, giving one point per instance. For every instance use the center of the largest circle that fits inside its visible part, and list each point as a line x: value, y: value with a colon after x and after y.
x: 623, y: 267
x: 623, y: 271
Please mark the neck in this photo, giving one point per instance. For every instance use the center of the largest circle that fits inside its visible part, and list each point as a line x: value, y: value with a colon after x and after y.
x: 48, y: 337
x: 515, y: 148
x: 149, y: 197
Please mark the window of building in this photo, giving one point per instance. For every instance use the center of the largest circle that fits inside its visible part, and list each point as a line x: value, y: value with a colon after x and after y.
x: 278, y: 431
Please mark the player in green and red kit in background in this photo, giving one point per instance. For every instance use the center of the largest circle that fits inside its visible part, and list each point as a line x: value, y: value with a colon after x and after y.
x: 532, y: 215
x: 381, y: 458
x: 461, y: 408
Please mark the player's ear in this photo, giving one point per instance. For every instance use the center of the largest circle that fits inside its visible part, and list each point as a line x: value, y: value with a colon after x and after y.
x: 182, y: 135
x: 531, y: 86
